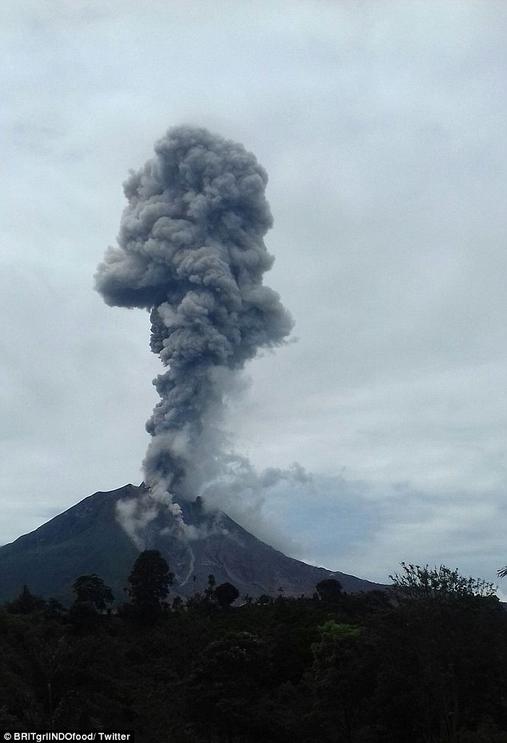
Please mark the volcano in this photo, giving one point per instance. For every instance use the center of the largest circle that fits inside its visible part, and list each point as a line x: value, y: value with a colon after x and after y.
x: 88, y: 538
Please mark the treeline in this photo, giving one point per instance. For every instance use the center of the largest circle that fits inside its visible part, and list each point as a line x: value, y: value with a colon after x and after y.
x: 425, y: 661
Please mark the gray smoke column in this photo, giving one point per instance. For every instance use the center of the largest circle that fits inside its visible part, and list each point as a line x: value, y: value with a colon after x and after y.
x: 191, y: 251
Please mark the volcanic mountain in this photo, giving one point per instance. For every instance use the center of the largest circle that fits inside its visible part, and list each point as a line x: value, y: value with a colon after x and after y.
x: 88, y: 538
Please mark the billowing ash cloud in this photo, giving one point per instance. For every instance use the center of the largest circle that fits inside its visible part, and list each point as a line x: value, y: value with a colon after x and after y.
x: 191, y: 251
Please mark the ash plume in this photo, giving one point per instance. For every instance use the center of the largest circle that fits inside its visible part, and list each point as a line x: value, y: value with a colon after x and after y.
x: 191, y: 251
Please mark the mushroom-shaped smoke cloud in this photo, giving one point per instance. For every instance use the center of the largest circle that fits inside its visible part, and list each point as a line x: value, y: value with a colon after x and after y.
x: 191, y: 251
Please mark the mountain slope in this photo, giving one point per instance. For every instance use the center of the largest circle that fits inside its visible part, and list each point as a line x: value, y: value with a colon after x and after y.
x: 87, y: 538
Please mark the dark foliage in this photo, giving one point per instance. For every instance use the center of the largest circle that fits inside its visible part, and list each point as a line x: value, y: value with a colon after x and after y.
x: 425, y: 662
x: 90, y: 590
x: 329, y: 590
x: 25, y: 603
x: 149, y: 582
x: 226, y: 594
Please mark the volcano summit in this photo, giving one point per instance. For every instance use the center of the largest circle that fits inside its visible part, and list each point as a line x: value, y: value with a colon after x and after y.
x: 89, y: 539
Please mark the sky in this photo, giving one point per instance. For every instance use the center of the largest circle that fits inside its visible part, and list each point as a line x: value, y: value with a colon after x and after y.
x: 382, y: 128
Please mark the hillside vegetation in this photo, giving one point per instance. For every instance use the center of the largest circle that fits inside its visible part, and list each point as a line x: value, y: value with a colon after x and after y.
x: 423, y: 662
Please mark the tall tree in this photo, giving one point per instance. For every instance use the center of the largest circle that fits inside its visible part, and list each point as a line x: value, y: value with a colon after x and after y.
x: 149, y: 581
x: 25, y: 603
x: 92, y: 591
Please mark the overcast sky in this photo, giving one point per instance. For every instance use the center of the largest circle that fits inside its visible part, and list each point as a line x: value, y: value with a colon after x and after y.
x: 382, y: 126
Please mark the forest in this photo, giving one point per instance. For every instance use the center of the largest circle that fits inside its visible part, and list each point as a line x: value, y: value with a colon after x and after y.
x: 423, y: 661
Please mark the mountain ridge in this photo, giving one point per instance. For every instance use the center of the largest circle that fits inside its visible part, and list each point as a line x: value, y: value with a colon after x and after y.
x: 87, y: 538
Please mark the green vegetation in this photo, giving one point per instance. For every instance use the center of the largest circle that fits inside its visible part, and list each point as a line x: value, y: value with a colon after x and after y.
x: 424, y: 662
x: 90, y: 590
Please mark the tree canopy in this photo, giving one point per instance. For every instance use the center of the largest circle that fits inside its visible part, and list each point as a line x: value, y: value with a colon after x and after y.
x: 418, y: 582
x: 91, y: 590
x: 423, y: 661
x: 149, y: 581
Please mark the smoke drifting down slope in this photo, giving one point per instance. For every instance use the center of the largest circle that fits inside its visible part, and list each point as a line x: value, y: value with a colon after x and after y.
x: 191, y: 251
